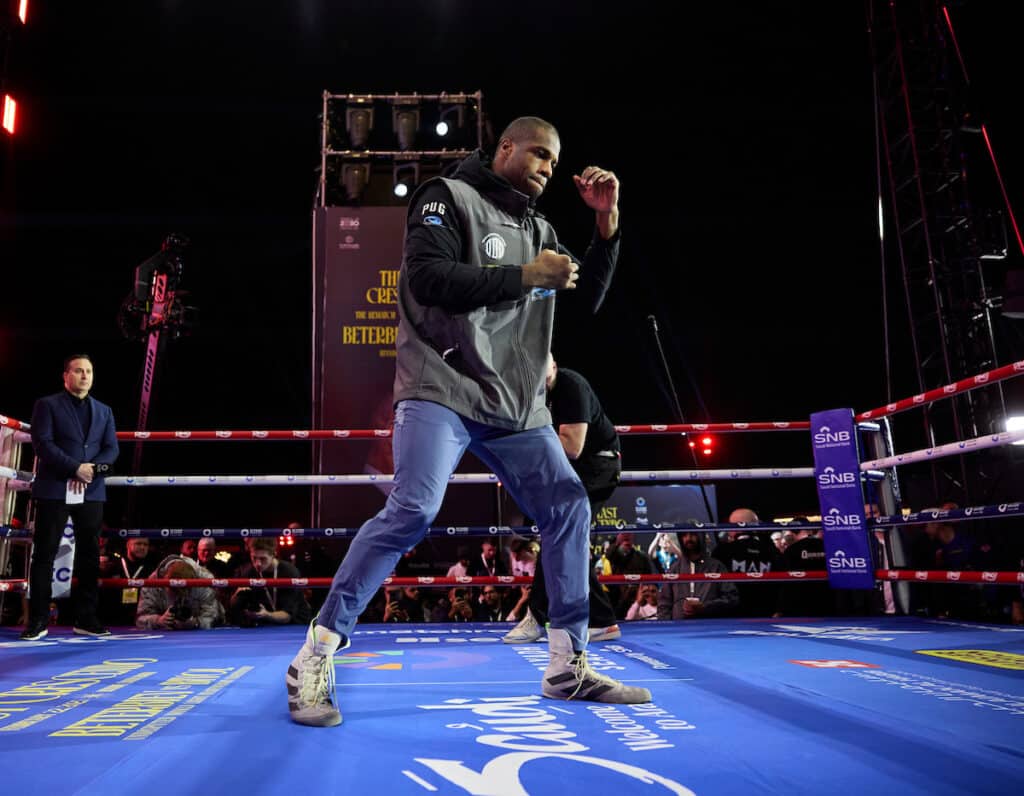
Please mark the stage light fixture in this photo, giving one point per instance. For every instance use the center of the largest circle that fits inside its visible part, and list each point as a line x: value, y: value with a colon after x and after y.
x: 452, y: 115
x: 355, y: 175
x: 1015, y: 423
x: 405, y: 120
x: 10, y: 111
x: 406, y: 178
x: 359, y: 121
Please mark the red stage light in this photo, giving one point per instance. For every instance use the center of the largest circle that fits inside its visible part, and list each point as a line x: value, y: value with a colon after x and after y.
x: 23, y: 11
x: 10, y: 109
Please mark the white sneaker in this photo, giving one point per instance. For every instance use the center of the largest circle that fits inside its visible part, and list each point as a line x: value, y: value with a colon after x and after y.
x: 310, y: 679
x: 569, y: 676
x: 604, y: 633
x: 526, y: 632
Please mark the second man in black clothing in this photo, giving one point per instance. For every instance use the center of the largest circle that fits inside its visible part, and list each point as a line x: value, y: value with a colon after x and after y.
x: 592, y: 445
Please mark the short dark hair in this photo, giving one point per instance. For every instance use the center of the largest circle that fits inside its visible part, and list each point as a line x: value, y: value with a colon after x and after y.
x: 69, y: 359
x: 266, y: 544
x: 526, y: 127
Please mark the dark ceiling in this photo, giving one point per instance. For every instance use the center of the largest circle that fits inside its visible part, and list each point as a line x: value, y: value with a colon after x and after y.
x: 742, y: 133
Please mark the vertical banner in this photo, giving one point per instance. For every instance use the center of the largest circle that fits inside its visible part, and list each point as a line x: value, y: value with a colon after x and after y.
x: 841, y: 495
x: 64, y: 563
x: 358, y: 251
x: 357, y: 256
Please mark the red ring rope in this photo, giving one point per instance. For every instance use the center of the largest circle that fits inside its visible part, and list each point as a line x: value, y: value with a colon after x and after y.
x: 372, y: 433
x: 957, y: 387
x: 921, y: 576
x: 964, y: 385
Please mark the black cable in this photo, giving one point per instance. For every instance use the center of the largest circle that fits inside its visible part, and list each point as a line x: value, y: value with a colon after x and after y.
x: 679, y: 409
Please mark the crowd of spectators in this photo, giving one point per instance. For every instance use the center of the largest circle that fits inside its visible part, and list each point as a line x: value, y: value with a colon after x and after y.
x: 939, y: 545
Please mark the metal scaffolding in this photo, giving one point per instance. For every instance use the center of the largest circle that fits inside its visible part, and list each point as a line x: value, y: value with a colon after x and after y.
x: 930, y: 147
x: 356, y: 153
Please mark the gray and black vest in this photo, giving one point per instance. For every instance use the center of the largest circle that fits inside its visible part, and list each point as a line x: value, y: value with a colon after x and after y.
x: 487, y: 364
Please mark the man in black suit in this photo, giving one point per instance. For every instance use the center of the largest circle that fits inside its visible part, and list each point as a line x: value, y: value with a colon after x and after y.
x: 75, y: 442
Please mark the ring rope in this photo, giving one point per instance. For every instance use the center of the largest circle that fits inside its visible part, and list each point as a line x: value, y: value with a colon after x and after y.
x: 922, y: 517
x: 440, y: 531
x: 953, y: 515
x: 376, y: 433
x: 949, y: 576
x: 455, y: 478
x: 439, y: 581
x: 635, y: 429
x: 713, y: 428
x: 949, y: 449
x: 872, y: 468
x: 957, y: 387
x: 920, y: 576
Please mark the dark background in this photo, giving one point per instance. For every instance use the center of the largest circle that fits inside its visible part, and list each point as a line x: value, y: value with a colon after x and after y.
x: 743, y: 135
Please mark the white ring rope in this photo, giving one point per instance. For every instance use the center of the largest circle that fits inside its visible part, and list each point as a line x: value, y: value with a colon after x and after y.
x: 949, y: 449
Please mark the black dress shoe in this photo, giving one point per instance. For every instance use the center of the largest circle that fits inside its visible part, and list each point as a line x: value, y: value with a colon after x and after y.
x: 90, y: 628
x: 34, y: 631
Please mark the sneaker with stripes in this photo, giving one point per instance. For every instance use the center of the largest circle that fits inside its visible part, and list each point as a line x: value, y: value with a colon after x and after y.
x: 310, y: 679
x: 569, y: 676
x: 526, y: 632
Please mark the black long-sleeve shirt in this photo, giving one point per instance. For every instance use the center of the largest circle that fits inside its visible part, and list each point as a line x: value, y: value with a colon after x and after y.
x: 440, y: 276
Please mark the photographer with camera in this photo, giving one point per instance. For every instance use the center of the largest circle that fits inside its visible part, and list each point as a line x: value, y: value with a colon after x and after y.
x: 405, y: 604
x: 456, y: 607
x: 394, y: 611
x: 251, y: 607
x: 179, y: 607
x: 490, y: 607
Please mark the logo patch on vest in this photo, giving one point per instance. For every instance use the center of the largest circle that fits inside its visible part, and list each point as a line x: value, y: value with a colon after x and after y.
x: 494, y: 246
x: 433, y: 220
